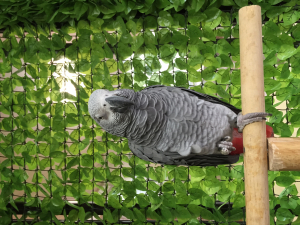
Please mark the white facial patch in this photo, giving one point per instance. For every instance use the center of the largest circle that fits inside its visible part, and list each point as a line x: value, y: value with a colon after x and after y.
x: 97, y: 103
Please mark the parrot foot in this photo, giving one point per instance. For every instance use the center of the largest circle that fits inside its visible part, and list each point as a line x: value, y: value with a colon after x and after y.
x: 226, y: 146
x: 243, y: 120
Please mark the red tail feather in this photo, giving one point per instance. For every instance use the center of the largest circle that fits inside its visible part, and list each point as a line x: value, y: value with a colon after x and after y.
x: 237, y: 139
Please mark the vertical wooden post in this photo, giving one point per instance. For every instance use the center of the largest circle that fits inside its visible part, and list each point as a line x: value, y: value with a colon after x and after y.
x: 253, y: 100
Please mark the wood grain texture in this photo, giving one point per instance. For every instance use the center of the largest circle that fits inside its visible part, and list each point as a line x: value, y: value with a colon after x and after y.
x: 284, y: 154
x: 253, y: 100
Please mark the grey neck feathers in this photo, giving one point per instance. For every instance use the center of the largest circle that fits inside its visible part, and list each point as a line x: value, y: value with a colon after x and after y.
x: 147, y: 121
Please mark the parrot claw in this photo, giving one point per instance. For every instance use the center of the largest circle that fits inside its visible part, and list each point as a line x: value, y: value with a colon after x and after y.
x: 226, y: 146
x: 243, y: 120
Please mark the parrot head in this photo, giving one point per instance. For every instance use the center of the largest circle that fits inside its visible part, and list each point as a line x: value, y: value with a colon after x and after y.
x: 110, y: 111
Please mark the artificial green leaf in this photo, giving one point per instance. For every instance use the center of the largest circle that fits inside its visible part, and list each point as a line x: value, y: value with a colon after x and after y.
x: 286, y: 51
x: 112, y: 201
x: 290, y: 17
x: 164, y: 19
x: 241, y: 3
x: 209, y: 73
x: 284, y: 215
x: 288, y: 203
x: 212, y: 14
x: 180, y: 64
x: 194, y: 76
x: 271, y: 84
x: 284, y: 181
x: 285, y: 72
x: 180, y: 79
x: 167, y: 52
x: 271, y: 59
x: 73, y: 215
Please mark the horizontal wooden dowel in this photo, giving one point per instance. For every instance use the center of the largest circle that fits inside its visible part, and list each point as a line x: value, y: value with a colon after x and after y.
x: 284, y: 154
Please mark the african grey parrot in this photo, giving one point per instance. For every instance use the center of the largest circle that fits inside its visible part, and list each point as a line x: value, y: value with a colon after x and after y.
x: 171, y: 125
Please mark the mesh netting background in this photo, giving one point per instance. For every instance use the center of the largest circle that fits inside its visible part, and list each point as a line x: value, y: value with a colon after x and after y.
x: 58, y: 166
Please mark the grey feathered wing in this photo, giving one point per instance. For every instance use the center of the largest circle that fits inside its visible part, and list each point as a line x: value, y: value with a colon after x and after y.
x: 174, y: 158
x: 199, y: 95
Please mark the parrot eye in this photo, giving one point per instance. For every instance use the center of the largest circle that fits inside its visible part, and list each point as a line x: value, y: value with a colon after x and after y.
x: 100, y: 118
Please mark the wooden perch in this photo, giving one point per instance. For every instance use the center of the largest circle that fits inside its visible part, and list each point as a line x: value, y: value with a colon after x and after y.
x: 284, y: 154
x: 253, y: 100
